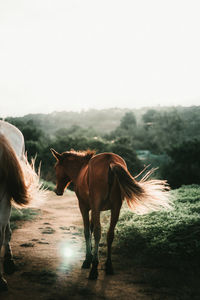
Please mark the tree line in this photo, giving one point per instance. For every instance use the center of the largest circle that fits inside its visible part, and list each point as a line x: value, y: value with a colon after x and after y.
x: 167, y: 138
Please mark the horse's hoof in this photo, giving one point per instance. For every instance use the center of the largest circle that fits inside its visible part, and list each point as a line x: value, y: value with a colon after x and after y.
x: 86, y: 264
x: 109, y: 268
x: 3, y: 285
x: 93, y: 274
x: 9, y: 266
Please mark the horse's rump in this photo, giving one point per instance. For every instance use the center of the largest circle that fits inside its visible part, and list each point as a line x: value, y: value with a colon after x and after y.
x: 14, y: 136
x: 101, y: 177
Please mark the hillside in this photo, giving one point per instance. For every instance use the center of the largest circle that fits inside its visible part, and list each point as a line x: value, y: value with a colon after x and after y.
x: 103, y: 121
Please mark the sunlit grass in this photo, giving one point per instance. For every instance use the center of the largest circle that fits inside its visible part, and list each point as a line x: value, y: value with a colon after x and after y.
x: 165, y: 243
x: 25, y: 214
x: 172, y: 233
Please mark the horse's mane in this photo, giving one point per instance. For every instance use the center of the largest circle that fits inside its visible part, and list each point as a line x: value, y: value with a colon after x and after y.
x: 11, y: 173
x: 86, y: 154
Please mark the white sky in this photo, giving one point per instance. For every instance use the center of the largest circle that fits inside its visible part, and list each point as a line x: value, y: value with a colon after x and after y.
x: 80, y: 54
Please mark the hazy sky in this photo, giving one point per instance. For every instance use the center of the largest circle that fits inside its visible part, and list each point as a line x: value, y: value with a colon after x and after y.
x: 73, y: 55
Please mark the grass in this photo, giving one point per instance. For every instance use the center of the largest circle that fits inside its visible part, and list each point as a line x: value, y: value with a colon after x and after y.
x: 25, y: 214
x: 167, y: 242
x: 172, y: 233
x: 48, y: 185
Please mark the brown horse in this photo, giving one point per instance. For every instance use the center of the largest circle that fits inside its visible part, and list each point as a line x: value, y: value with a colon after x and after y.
x: 101, y: 183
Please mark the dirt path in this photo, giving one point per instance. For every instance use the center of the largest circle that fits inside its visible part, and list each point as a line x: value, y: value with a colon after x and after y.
x: 49, y: 252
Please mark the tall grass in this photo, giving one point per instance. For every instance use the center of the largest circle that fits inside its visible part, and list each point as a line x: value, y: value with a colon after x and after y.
x: 174, y: 233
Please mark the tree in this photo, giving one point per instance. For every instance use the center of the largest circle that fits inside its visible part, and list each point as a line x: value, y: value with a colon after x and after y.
x: 167, y: 130
x: 184, y: 164
x: 129, y: 155
x: 128, y: 121
x: 149, y: 116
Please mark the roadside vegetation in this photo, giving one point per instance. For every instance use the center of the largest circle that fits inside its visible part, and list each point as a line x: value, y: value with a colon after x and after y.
x: 172, y: 234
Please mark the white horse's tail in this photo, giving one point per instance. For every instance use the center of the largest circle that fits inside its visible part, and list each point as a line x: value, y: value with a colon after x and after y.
x: 35, y: 190
x: 21, y: 179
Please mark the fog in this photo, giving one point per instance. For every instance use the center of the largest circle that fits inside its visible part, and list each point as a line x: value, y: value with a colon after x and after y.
x: 75, y: 55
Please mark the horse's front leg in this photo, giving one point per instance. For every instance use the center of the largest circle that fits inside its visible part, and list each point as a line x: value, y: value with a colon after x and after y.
x: 8, y: 264
x: 97, y: 236
x: 88, y: 259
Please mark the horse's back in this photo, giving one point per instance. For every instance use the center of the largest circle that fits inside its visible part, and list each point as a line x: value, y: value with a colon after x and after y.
x: 100, y: 163
x: 100, y: 177
x: 14, y: 136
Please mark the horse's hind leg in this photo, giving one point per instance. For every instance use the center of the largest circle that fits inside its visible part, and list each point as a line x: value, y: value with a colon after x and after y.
x: 9, y: 266
x: 5, y: 208
x: 97, y: 235
x: 115, y: 210
x: 3, y: 283
x: 88, y: 259
x: 91, y: 227
x: 91, y: 230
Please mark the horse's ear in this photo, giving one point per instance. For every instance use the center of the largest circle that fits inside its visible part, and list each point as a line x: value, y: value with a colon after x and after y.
x: 55, y: 154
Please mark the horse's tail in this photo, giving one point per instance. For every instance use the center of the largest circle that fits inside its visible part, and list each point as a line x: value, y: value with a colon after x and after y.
x: 35, y: 190
x: 21, y: 179
x: 12, y: 174
x: 143, y: 196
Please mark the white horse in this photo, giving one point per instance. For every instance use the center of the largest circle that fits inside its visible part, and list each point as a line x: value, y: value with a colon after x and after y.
x: 19, y: 184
